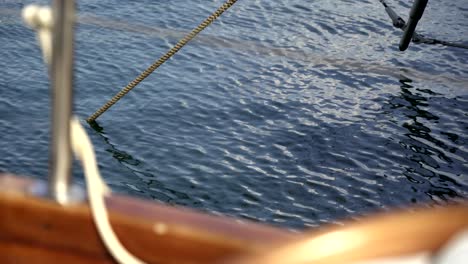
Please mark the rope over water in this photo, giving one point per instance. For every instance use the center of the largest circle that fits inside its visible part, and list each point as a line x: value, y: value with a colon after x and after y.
x: 161, y: 60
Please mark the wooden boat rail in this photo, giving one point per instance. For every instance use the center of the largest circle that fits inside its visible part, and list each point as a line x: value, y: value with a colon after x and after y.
x: 38, y: 230
x: 33, y: 228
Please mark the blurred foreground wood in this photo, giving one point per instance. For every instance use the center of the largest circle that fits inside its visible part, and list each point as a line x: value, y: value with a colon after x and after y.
x: 35, y: 230
x: 383, y: 235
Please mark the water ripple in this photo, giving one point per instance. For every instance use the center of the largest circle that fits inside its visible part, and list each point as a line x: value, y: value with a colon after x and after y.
x: 295, y: 113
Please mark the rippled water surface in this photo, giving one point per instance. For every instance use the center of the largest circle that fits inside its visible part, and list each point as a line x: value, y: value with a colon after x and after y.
x: 288, y: 112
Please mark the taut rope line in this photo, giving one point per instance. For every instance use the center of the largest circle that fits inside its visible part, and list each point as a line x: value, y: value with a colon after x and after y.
x: 162, y: 59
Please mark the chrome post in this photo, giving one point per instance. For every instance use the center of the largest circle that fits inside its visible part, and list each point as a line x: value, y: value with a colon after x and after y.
x: 60, y: 159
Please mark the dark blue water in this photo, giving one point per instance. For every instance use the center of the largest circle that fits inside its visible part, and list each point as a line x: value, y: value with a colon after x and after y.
x: 294, y: 113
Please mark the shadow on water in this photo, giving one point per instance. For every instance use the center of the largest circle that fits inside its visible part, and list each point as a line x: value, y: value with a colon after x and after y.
x: 255, y: 48
x: 422, y: 146
x: 121, y: 156
x: 154, y: 189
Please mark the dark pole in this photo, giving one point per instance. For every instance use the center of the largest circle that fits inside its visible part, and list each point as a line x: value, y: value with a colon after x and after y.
x: 397, y: 21
x: 415, y: 15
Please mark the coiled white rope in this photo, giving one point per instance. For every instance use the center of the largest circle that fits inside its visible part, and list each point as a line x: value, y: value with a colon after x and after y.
x: 97, y: 189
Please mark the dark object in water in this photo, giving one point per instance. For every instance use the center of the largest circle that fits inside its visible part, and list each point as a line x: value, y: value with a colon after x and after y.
x: 410, y: 28
x: 415, y: 15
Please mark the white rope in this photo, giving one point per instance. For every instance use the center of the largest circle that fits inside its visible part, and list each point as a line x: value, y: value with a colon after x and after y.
x: 40, y: 19
x: 97, y: 189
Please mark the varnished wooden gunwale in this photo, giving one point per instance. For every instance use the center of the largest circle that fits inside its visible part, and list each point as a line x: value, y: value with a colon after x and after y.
x: 22, y: 252
x: 36, y: 230
x: 155, y: 233
x: 385, y: 235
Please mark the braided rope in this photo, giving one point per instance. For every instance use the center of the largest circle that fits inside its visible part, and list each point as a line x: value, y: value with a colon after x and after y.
x: 162, y: 59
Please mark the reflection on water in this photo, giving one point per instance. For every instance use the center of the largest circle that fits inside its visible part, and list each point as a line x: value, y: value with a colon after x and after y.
x: 427, y: 152
x: 157, y: 190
